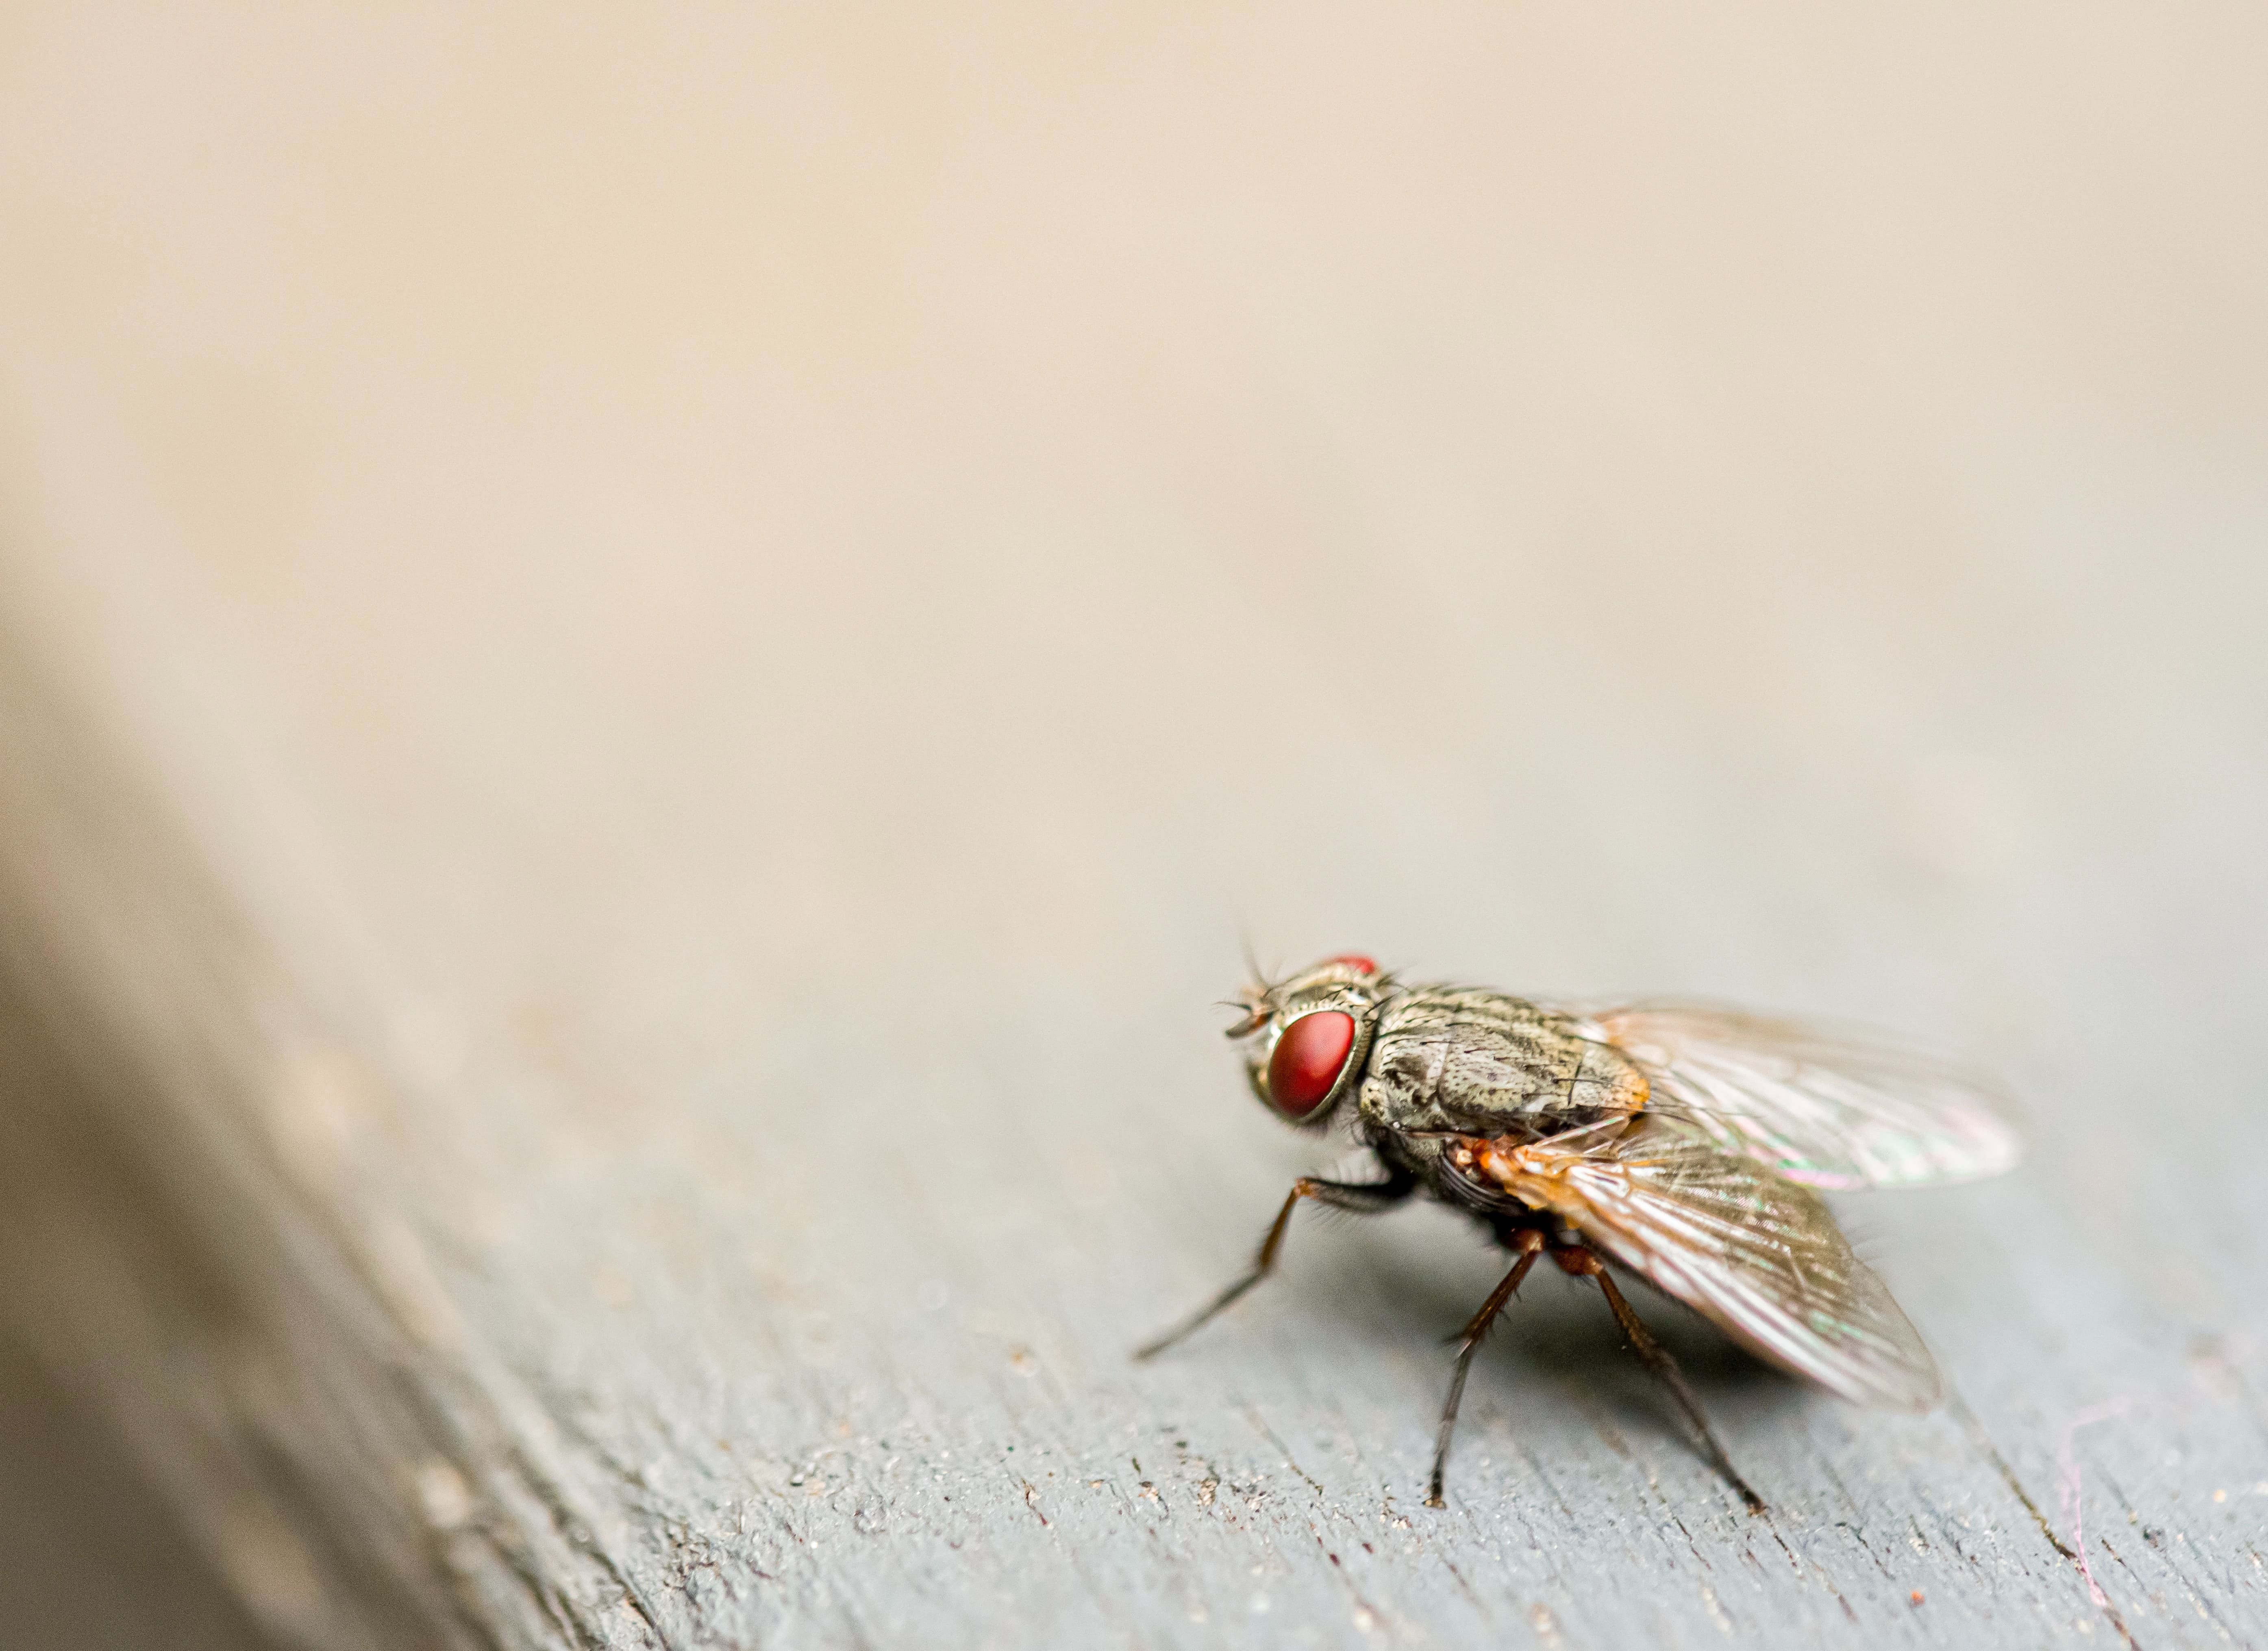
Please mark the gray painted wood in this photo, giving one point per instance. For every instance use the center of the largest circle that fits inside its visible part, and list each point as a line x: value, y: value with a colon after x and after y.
x: 645, y: 707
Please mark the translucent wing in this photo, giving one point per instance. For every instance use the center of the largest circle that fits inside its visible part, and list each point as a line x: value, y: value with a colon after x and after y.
x: 1756, y: 1254
x: 1824, y: 1107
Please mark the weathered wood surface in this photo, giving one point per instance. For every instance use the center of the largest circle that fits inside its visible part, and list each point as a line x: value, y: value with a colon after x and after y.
x: 650, y: 680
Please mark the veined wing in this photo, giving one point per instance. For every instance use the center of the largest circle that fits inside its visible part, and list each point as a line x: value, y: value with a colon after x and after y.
x: 1756, y: 1254
x: 1822, y: 1107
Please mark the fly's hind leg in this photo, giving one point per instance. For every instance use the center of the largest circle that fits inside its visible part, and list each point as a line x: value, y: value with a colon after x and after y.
x: 1582, y: 1263
x: 1529, y: 1243
x: 1362, y: 1197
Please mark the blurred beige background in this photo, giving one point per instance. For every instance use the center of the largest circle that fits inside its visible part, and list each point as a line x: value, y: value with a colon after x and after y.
x: 1238, y: 396
x: 715, y: 586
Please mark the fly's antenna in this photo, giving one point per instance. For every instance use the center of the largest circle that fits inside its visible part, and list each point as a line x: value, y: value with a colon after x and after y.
x: 1253, y: 1011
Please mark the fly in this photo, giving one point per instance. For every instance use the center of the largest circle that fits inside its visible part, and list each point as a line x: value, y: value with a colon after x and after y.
x: 1682, y: 1143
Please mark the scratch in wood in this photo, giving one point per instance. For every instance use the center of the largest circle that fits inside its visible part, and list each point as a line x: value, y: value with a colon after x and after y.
x: 1959, y: 1409
x: 1269, y: 1434
x: 575, y: 1529
x: 1559, y: 1497
x: 1450, y: 1565
x: 1826, y: 1464
x: 1854, y: 1526
x: 2117, y: 1494
x: 2189, y: 1586
x: 1825, y: 1578
x: 541, y: 1592
x: 1983, y: 1440
x: 1795, y: 1562
x: 2074, y: 1490
x: 1368, y: 1617
x: 1692, y: 1547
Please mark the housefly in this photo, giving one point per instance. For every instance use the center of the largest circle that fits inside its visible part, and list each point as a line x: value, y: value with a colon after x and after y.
x: 1679, y: 1142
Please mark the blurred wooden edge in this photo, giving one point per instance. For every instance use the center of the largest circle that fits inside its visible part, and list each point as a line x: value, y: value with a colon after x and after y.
x: 182, y: 1251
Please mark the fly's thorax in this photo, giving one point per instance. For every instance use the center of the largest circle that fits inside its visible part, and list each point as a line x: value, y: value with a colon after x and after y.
x: 1454, y: 1060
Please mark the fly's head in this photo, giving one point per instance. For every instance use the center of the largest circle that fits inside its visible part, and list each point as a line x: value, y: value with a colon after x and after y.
x: 1305, y: 1037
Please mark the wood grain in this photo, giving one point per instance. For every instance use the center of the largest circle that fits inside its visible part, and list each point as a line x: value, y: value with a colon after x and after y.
x: 651, y: 680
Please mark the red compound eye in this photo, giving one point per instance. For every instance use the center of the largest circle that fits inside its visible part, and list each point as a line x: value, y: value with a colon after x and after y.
x: 1307, y: 1060
x: 1355, y: 960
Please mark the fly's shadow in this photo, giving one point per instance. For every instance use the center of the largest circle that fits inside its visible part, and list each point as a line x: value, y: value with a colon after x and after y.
x: 1398, y: 1291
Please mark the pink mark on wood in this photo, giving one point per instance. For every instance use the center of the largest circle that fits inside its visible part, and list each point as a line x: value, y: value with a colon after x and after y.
x: 2074, y: 1509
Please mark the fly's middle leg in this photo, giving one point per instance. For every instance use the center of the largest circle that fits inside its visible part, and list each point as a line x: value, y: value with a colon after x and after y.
x: 1529, y: 1243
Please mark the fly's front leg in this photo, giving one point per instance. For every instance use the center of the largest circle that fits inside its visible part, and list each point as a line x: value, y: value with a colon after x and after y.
x: 1582, y: 1263
x: 1364, y: 1197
